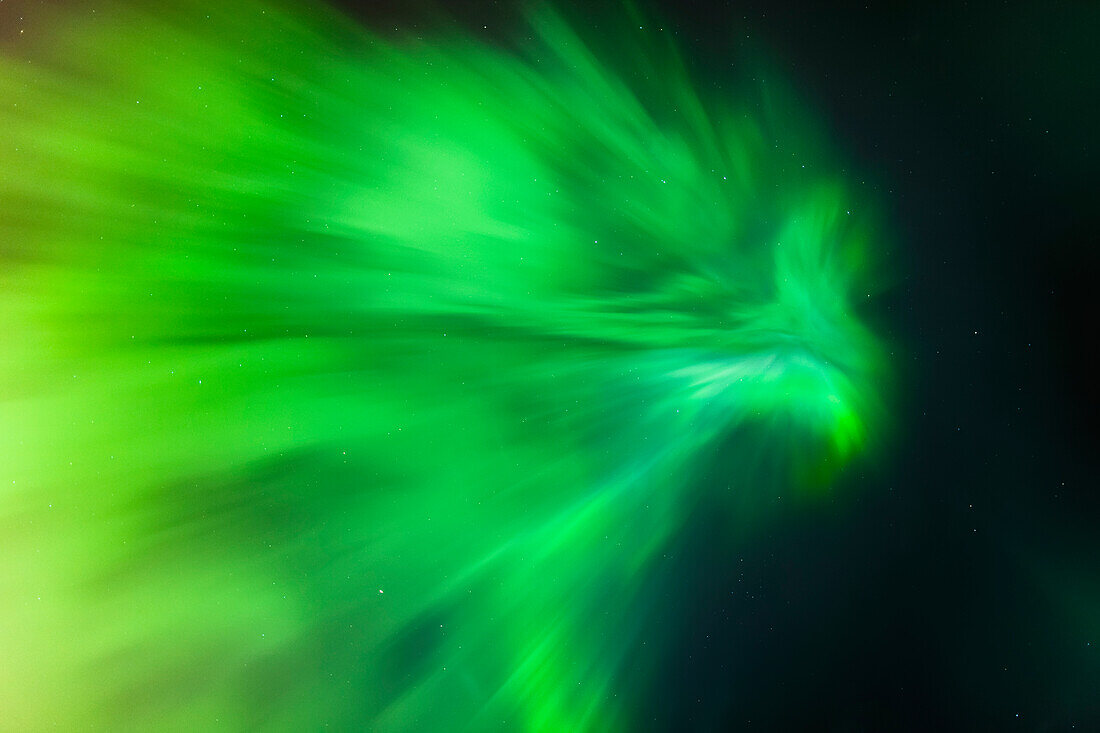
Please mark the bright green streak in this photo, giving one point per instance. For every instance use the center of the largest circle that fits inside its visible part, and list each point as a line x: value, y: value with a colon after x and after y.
x: 370, y: 382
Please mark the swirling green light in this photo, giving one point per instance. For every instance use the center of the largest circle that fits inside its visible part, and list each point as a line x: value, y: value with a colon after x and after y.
x: 358, y: 381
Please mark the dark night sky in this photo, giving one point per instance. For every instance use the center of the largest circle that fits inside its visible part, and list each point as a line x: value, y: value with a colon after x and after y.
x: 959, y: 586
x: 963, y: 590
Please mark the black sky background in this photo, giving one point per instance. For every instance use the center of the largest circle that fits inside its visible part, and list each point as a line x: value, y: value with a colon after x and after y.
x: 958, y: 587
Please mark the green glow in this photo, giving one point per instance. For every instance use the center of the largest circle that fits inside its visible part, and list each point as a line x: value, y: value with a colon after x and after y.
x: 368, y: 382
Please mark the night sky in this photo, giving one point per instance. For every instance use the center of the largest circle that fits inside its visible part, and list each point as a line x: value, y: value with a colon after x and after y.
x: 961, y: 590
x: 318, y: 414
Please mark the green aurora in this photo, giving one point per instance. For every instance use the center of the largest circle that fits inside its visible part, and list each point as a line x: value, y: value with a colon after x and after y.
x: 357, y: 381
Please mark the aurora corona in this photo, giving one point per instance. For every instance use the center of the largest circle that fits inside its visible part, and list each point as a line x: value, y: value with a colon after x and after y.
x: 369, y: 380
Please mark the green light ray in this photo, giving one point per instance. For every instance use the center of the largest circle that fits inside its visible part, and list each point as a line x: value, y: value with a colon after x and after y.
x: 354, y: 380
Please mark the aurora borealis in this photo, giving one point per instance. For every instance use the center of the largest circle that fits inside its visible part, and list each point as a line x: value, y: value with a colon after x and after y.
x: 371, y: 377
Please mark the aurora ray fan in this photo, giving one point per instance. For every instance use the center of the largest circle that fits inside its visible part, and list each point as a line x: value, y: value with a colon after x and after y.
x: 360, y: 379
